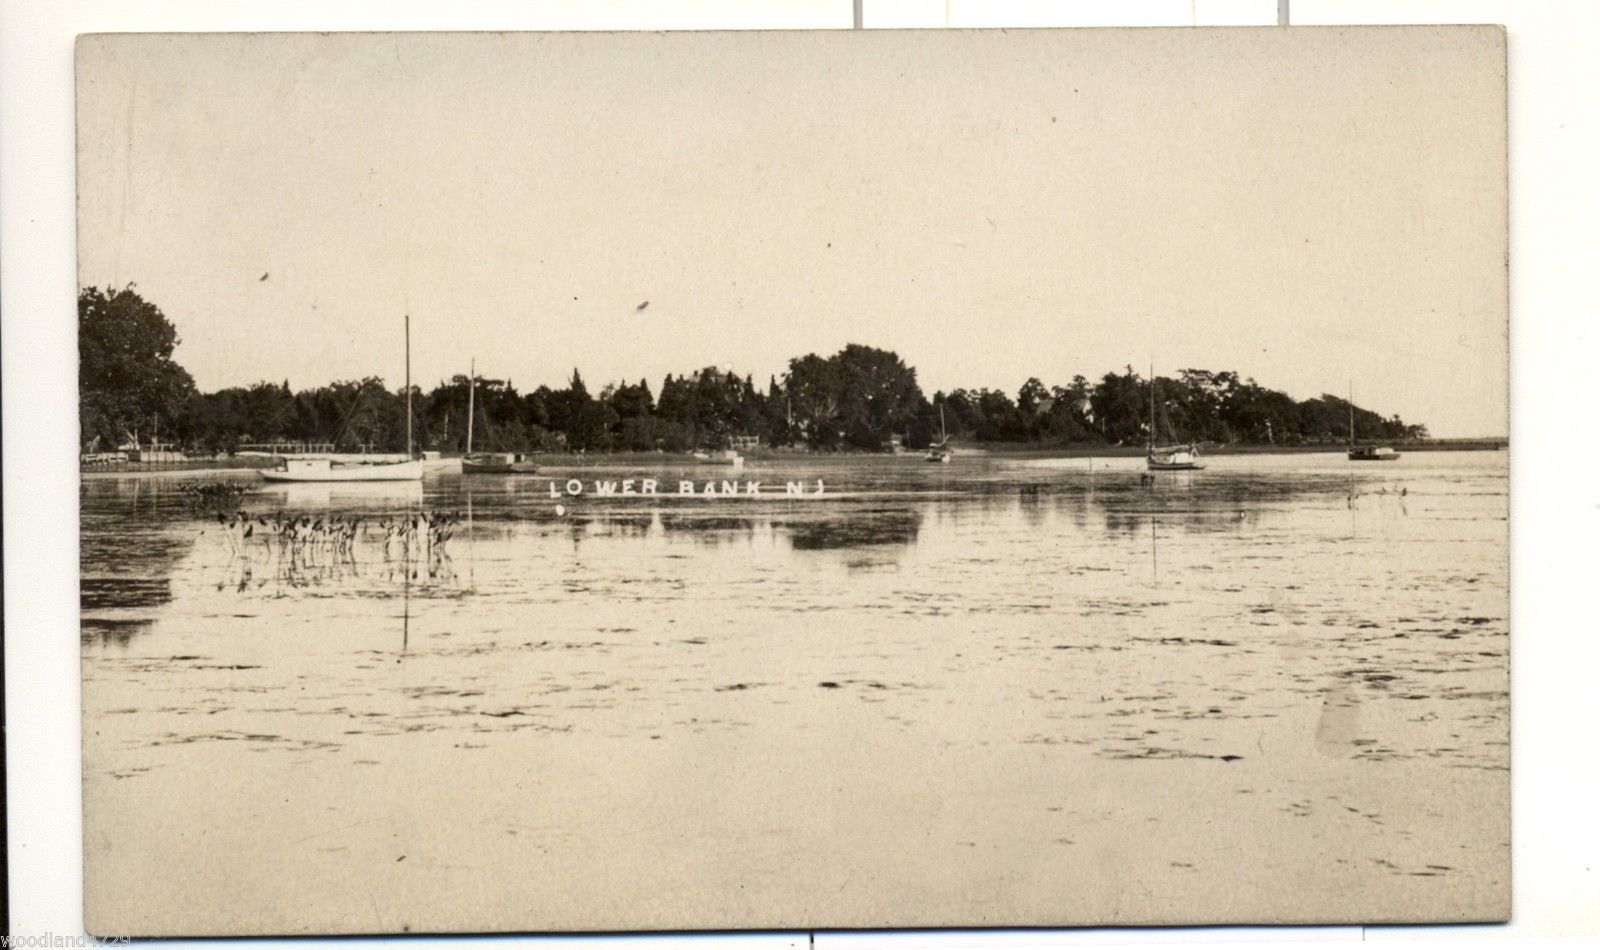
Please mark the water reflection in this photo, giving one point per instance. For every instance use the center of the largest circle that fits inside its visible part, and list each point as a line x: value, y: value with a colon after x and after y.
x: 870, y: 506
x: 1274, y: 642
x: 126, y: 562
x: 705, y: 527
x: 339, y: 496
x: 1001, y: 571
x: 1339, y: 722
x: 110, y: 631
x: 304, y: 552
x: 855, y: 529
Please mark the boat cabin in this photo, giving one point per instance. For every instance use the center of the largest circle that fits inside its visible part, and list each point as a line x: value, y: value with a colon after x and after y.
x: 305, y: 466
x: 1176, y: 459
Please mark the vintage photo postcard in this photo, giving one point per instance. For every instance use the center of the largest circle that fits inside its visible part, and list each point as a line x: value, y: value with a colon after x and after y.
x: 612, y: 482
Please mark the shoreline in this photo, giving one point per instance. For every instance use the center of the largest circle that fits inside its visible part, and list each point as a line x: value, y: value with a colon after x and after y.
x: 567, y: 462
x: 1210, y: 449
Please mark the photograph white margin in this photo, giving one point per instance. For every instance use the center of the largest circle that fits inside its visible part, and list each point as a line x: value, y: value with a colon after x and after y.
x: 1554, y: 146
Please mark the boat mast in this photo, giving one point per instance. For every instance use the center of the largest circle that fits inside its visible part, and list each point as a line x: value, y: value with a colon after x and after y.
x: 1351, y: 403
x: 943, y: 436
x: 472, y: 385
x: 408, y: 387
x: 1152, y: 445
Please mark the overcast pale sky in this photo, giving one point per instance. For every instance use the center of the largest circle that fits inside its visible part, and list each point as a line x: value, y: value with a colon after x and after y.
x: 1309, y: 207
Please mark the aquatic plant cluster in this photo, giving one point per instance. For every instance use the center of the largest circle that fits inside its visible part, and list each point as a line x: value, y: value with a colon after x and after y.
x: 305, y: 550
x: 421, y: 529
x: 217, y: 496
x: 860, y: 398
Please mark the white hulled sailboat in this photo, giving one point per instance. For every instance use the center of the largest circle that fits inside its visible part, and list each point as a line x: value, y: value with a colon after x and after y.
x: 323, y: 469
x: 1172, y: 458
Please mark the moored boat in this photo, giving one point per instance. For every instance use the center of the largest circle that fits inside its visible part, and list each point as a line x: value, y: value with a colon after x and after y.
x: 498, y: 463
x: 324, y: 469
x: 1176, y: 458
x: 489, y: 463
x: 940, y: 452
x: 328, y: 470
x: 1365, y: 453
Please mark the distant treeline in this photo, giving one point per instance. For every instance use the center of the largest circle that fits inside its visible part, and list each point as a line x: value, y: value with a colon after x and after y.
x: 860, y: 398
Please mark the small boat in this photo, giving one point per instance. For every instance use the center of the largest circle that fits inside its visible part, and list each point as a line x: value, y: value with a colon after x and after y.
x: 1177, y: 458
x: 498, y: 463
x: 1185, y: 458
x: 1365, y: 453
x: 940, y: 452
x: 725, y: 457
x: 322, y: 469
x: 489, y: 463
x: 327, y: 470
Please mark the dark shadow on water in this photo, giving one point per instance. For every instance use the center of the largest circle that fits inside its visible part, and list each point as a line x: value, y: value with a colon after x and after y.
x: 709, y: 528
x: 884, y: 526
x: 110, y: 632
x: 831, y: 527
x: 126, y: 564
x: 99, y: 593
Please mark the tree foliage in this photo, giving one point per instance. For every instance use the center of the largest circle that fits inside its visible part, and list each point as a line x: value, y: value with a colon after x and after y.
x: 129, y: 388
x: 860, y: 398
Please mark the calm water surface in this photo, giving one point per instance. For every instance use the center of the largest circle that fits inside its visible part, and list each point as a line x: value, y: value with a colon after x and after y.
x: 1293, y: 638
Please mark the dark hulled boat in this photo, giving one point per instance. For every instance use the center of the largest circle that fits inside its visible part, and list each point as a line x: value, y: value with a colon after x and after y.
x: 1365, y: 453
x: 489, y: 463
x: 498, y: 463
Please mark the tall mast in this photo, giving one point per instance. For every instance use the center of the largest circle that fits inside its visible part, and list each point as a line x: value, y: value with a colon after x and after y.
x: 943, y: 436
x: 1152, y: 446
x: 408, y: 387
x: 1351, y: 403
x: 472, y: 386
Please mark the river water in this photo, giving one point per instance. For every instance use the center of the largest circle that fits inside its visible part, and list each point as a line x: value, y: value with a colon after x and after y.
x: 999, y: 691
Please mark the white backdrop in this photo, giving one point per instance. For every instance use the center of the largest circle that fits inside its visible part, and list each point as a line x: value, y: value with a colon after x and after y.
x: 1555, y: 450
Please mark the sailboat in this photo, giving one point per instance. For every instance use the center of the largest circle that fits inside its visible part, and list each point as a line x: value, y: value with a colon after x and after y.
x: 323, y: 469
x: 489, y: 463
x: 1365, y: 453
x: 940, y: 452
x: 1177, y: 458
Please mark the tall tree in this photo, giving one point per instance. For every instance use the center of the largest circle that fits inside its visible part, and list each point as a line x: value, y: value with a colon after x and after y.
x: 815, y: 392
x: 128, y: 385
x: 879, y: 395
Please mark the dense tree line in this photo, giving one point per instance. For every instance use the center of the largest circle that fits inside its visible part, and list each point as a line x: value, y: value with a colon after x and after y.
x: 860, y: 398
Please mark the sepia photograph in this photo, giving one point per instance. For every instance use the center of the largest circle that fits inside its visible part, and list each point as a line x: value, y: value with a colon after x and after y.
x: 595, y: 482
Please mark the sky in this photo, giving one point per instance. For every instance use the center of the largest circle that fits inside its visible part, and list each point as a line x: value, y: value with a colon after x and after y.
x: 1320, y: 209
